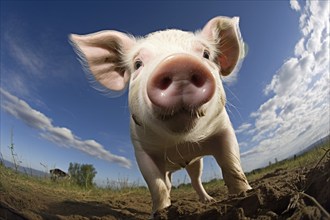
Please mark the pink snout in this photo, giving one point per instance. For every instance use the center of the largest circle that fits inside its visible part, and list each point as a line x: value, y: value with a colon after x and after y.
x: 180, y: 81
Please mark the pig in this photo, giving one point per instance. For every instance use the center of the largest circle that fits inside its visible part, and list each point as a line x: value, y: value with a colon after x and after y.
x: 176, y: 99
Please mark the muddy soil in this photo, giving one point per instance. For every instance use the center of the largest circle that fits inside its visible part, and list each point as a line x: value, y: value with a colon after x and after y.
x: 299, y: 193
x: 282, y: 194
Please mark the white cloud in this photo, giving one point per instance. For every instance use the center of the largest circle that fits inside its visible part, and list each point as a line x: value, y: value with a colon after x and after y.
x: 243, y: 127
x: 300, y: 47
x: 298, y: 111
x: 59, y: 135
x: 20, y: 109
x: 295, y: 5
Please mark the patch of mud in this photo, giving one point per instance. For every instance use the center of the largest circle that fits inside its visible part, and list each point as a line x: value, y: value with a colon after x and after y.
x: 296, y: 194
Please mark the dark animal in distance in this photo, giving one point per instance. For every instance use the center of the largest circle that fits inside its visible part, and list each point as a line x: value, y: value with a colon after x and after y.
x: 58, y: 174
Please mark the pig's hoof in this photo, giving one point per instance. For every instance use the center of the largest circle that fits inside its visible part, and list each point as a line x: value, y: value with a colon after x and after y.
x: 161, y: 214
x: 207, y: 199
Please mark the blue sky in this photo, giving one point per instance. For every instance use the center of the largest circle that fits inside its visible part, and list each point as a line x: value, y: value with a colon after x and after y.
x: 279, y: 101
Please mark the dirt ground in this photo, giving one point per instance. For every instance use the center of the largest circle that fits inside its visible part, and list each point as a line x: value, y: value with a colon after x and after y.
x: 297, y: 193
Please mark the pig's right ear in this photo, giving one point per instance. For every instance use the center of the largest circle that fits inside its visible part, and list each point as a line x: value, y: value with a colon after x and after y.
x: 225, y: 33
x: 102, y: 53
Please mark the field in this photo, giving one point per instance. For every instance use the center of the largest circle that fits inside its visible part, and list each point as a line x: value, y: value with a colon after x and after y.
x: 292, y: 189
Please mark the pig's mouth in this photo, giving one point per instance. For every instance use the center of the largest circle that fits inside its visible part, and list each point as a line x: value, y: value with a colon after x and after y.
x: 183, y: 112
x: 182, y: 120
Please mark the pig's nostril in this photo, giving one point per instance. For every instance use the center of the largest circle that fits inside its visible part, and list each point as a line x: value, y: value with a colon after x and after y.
x: 164, y: 83
x: 197, y: 80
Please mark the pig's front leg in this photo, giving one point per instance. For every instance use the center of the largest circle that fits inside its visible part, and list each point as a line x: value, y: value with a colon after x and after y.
x: 226, y: 152
x: 153, y: 171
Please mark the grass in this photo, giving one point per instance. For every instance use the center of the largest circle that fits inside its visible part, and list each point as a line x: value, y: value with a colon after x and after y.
x: 311, y: 157
x: 16, y: 180
x: 22, y: 181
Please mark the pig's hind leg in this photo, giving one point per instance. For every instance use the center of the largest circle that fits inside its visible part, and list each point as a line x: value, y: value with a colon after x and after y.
x: 195, y: 172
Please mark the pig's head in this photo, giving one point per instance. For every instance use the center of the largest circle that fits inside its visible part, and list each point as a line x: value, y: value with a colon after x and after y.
x: 174, y: 77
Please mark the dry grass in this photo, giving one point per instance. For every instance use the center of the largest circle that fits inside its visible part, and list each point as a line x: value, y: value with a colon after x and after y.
x: 309, y: 158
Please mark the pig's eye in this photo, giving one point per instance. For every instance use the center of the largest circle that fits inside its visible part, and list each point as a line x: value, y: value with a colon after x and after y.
x: 138, y: 64
x: 206, y: 54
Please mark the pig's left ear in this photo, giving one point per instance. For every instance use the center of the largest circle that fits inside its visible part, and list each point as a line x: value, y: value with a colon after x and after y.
x: 102, y: 53
x: 225, y: 33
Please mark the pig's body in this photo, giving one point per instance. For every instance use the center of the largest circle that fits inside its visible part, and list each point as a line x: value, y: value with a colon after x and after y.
x: 158, y: 160
x: 176, y: 99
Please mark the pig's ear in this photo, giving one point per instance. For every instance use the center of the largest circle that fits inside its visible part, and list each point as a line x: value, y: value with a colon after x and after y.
x: 102, y: 53
x: 225, y: 33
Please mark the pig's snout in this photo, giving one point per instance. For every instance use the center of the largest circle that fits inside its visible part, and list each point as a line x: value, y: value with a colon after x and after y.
x: 180, y: 81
